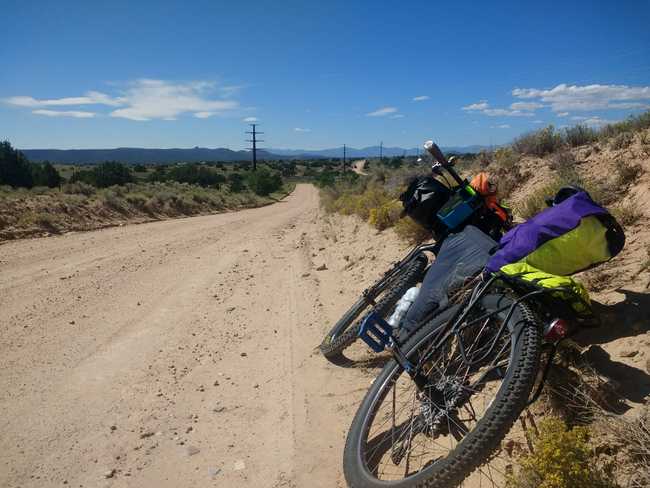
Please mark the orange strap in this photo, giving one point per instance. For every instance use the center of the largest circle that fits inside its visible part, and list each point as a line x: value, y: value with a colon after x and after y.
x: 489, y: 192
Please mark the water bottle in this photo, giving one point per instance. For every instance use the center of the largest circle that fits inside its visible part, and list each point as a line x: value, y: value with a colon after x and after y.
x: 403, y: 306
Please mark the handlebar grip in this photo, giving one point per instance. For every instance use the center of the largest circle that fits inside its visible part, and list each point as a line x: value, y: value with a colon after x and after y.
x: 435, y: 151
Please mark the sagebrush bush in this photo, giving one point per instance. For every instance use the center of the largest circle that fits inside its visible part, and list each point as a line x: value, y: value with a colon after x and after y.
x: 538, y: 143
x: 627, y: 173
x: 43, y: 220
x: 563, y: 161
x: 579, y: 135
x: 601, y: 192
x: 505, y: 158
x: 80, y: 188
x: 412, y: 232
x: 561, y: 458
x: 385, y: 215
x: 621, y: 141
x: 114, y: 201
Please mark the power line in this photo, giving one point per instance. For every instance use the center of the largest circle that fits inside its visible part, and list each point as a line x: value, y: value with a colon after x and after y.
x: 254, y: 140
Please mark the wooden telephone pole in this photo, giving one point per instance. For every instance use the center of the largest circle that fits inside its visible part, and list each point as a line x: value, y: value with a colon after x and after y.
x: 381, y: 151
x: 344, y: 158
x: 254, y: 140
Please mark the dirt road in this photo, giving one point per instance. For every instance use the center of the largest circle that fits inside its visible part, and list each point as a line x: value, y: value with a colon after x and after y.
x: 181, y: 353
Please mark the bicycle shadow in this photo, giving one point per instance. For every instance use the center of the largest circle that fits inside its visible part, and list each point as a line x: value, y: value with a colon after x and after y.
x: 628, y: 318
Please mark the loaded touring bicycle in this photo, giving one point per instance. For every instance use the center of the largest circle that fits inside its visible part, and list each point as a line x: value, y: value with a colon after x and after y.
x: 438, y: 412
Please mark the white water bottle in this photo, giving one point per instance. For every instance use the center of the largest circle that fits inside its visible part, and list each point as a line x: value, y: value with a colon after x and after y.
x: 403, y: 306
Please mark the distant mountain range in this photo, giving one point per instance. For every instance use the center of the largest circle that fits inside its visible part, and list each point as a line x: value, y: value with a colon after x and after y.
x: 370, y: 151
x: 136, y: 155
x: 139, y: 155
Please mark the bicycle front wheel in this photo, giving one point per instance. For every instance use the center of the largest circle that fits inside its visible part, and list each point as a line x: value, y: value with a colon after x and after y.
x: 478, y: 379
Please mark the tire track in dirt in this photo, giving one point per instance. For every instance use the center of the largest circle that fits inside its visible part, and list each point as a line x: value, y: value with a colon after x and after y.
x: 182, y: 353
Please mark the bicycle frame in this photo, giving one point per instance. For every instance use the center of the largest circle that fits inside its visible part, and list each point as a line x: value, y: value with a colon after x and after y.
x: 455, y: 326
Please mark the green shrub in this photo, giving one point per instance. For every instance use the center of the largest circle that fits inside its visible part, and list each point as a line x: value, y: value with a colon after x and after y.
x: 195, y: 174
x: 601, y: 192
x: 106, y: 174
x: 385, y: 215
x: 622, y: 140
x: 627, y: 174
x: 579, y: 135
x: 264, y: 182
x: 538, y: 143
x: 112, y: 200
x: 505, y: 158
x: 236, y: 182
x: 561, y: 458
x: 80, y: 188
x: 44, y: 220
x: 411, y: 231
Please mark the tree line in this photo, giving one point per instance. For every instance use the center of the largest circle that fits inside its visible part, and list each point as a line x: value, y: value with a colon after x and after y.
x: 17, y: 171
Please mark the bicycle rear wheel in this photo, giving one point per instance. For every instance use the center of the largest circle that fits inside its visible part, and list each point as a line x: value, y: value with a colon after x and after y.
x: 477, y: 384
x: 345, y: 331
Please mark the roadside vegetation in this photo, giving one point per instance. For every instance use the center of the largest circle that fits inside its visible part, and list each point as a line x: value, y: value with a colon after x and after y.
x: 581, y: 439
x: 43, y: 198
x: 375, y: 198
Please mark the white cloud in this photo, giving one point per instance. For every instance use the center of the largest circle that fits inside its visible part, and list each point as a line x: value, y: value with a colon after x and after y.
x: 397, y: 116
x: 382, y: 112
x: 538, y: 121
x: 143, y: 99
x: 565, y: 97
x: 504, y: 112
x: 301, y: 129
x: 515, y: 111
x: 158, y: 99
x: 421, y: 98
x: 90, y: 98
x: 482, y: 105
x: 251, y: 119
x: 592, y: 121
x: 502, y: 126
x: 65, y: 113
x: 562, y: 114
x: 527, y: 106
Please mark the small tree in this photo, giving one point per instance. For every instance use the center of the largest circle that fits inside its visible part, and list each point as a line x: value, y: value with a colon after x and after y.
x: 15, y: 169
x: 46, y: 175
x: 236, y: 182
x: 263, y: 182
x: 112, y: 173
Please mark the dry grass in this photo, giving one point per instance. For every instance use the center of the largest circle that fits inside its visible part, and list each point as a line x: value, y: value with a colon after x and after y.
x: 628, y: 214
x: 78, y: 206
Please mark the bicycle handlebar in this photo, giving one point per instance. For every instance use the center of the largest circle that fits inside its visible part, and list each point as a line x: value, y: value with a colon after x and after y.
x: 437, y: 154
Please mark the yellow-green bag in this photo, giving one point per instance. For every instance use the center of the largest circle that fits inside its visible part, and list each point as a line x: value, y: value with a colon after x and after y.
x: 563, y: 288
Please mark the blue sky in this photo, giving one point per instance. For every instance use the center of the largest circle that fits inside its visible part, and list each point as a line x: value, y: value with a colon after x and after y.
x: 85, y: 74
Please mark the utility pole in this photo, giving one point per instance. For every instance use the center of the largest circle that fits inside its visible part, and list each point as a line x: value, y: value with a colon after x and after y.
x: 254, y: 140
x: 344, y: 157
x: 381, y: 151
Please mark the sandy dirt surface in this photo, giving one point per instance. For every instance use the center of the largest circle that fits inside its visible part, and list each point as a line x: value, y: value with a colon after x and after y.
x: 183, y: 353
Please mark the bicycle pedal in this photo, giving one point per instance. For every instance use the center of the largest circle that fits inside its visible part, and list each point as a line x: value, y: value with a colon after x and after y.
x: 376, y: 332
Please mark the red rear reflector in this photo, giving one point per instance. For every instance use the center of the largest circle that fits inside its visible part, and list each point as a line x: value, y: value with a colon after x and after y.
x: 556, y: 330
